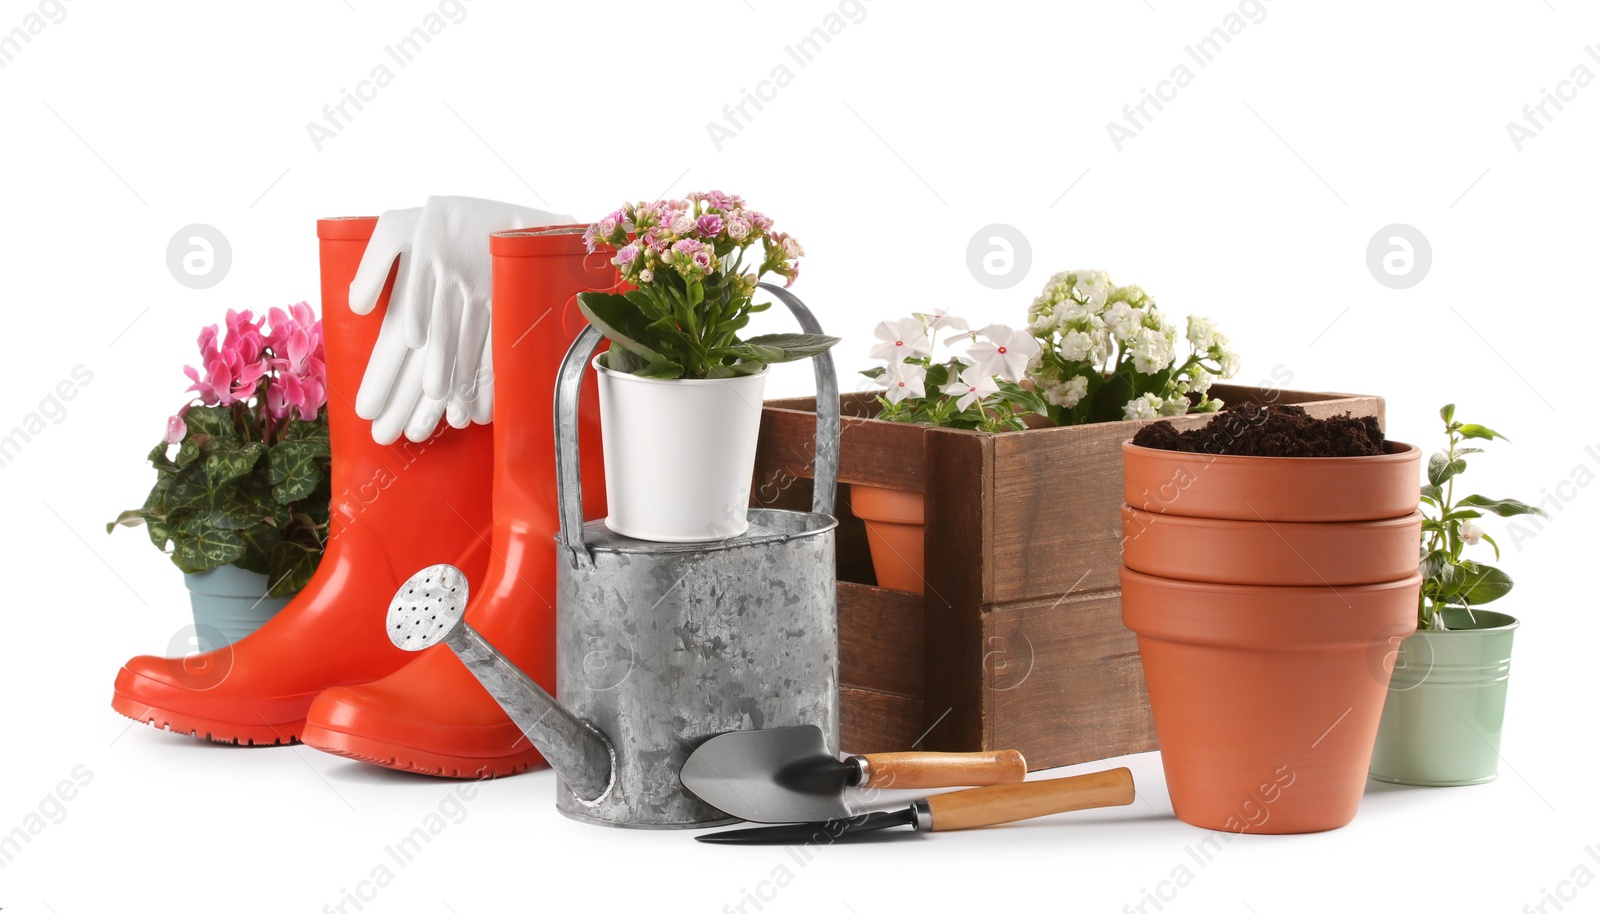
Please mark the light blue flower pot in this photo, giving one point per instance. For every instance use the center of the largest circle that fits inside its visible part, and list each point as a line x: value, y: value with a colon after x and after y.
x: 229, y: 603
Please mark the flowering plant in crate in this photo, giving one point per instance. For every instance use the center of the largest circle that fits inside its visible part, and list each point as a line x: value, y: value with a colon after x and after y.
x: 974, y: 385
x: 1107, y: 353
x: 688, y: 259
x: 242, y: 473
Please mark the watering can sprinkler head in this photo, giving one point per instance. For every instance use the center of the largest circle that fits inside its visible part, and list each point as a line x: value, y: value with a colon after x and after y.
x: 428, y: 609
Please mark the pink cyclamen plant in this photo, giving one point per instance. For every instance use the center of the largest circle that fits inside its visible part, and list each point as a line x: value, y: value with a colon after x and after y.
x: 276, y: 361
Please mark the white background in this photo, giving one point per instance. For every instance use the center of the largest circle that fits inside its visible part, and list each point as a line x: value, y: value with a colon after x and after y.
x: 1251, y: 198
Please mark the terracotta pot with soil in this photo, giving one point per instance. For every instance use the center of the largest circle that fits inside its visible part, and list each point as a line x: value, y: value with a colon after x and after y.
x: 1270, y: 562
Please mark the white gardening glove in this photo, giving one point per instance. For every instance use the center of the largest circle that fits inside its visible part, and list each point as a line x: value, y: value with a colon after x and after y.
x: 439, y: 313
x: 391, y: 388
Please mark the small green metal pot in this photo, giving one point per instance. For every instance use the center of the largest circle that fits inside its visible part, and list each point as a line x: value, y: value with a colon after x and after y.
x: 229, y: 603
x: 1446, y: 704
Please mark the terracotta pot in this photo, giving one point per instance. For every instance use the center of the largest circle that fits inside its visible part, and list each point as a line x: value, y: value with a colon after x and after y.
x: 1273, y: 488
x: 1270, y: 553
x: 1266, y: 699
x: 894, y: 534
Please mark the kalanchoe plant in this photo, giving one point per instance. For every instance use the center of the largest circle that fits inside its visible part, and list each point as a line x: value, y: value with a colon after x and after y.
x: 242, y: 474
x: 696, y: 263
x: 974, y: 386
x: 1451, y: 525
x: 1109, y: 354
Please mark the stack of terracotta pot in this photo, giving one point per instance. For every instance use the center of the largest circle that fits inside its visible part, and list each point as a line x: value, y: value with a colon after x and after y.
x: 1269, y: 595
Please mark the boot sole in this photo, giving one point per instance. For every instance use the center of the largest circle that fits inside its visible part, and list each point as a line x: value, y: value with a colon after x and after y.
x: 225, y: 732
x: 387, y: 754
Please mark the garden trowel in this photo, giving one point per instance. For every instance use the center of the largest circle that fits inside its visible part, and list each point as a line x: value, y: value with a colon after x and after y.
x: 788, y: 774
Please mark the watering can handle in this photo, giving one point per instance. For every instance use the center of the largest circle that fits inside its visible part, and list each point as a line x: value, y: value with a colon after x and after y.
x: 569, y: 383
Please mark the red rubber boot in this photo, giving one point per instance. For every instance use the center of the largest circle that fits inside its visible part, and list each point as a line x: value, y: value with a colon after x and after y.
x: 396, y: 508
x: 433, y: 717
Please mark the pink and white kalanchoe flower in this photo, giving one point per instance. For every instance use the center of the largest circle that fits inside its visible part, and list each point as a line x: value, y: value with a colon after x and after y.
x: 651, y: 235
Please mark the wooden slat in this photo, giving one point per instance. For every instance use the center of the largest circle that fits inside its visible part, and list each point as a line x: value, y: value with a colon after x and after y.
x: 872, y: 721
x: 959, y: 471
x: 1063, y: 683
x: 888, y: 454
x: 880, y: 640
x: 1057, y: 497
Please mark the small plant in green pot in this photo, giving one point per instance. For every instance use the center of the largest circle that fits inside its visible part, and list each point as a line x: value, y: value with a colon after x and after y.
x: 974, y: 383
x: 240, y: 501
x: 1442, y: 719
x: 680, y: 388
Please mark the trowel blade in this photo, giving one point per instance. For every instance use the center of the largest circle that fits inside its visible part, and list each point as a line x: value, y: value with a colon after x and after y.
x: 781, y: 775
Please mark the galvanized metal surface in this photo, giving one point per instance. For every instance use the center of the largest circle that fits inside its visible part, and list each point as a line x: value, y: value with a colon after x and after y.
x: 661, y: 646
x: 428, y: 609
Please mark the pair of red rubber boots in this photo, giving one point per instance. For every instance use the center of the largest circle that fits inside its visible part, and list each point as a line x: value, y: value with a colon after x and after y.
x: 322, y: 671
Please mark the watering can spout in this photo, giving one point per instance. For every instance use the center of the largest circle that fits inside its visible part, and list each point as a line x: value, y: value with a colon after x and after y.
x: 428, y: 610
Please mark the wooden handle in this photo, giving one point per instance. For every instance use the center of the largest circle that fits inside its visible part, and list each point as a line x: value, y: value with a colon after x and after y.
x: 944, y: 769
x: 983, y: 806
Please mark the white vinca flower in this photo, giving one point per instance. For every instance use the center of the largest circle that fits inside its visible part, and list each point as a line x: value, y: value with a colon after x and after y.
x: 1002, y: 352
x: 901, y: 339
x: 971, y: 386
x: 1145, y: 407
x: 904, y: 380
x: 941, y: 321
x: 1471, y: 533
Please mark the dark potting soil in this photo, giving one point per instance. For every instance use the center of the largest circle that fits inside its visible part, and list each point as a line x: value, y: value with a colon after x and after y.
x: 1253, y: 430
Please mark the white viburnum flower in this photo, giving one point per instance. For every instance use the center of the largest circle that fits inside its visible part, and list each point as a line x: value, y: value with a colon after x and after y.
x: 1175, y: 405
x: 901, y: 339
x: 1152, y: 350
x: 1125, y: 321
x: 1067, y: 394
x: 971, y: 386
x: 1002, y: 351
x: 904, y: 380
x: 1203, y: 333
x: 1145, y: 407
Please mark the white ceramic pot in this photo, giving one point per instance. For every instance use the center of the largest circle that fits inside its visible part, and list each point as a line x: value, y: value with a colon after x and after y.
x: 679, y: 454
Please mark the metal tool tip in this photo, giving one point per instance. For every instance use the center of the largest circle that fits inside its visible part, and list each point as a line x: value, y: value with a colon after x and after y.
x: 427, y: 607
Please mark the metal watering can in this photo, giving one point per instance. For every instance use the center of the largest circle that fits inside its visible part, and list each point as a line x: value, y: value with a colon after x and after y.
x: 660, y: 646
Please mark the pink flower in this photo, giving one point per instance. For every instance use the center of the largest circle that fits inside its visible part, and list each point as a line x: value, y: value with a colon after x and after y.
x: 176, y: 429
x: 682, y: 223
x: 738, y: 227
x: 233, y: 362
x: 761, y: 221
x: 708, y: 225
x: 301, y: 375
x: 703, y: 261
x: 626, y: 255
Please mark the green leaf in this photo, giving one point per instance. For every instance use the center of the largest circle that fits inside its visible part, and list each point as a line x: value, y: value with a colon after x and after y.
x: 204, y: 548
x: 1473, y: 430
x: 1503, y: 507
x: 158, y: 459
x: 315, y: 431
x: 1462, y: 514
x: 1490, y: 540
x: 793, y: 346
x: 1432, y: 564
x: 1448, y: 413
x: 215, y: 421
x: 1441, y: 468
x: 227, y: 460
x: 133, y: 517
x: 292, y: 470
x: 188, y: 452
x: 1482, y: 584
x: 622, y: 322
x: 292, y: 568
x: 878, y: 372
x: 666, y: 371
x: 191, y: 488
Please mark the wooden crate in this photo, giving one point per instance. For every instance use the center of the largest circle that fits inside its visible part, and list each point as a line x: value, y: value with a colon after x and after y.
x: 1018, y: 642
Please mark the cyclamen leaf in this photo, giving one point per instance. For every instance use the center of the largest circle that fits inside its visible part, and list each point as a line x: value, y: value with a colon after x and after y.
x: 201, y: 548
x: 293, y: 471
x: 226, y: 460
x: 216, y: 421
x: 292, y: 568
